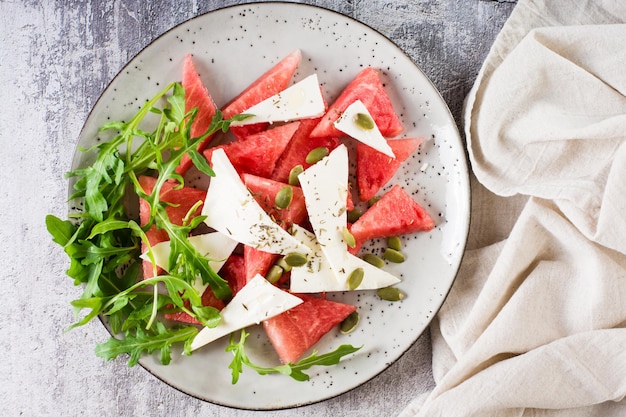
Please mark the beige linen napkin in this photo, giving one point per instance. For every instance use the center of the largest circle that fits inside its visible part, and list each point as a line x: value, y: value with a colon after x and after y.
x: 535, y: 325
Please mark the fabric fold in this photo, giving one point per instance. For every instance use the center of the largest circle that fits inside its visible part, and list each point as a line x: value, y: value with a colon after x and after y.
x: 551, y: 122
x: 535, y: 324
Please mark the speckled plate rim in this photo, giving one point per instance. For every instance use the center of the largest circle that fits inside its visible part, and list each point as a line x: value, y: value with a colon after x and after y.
x: 453, y: 251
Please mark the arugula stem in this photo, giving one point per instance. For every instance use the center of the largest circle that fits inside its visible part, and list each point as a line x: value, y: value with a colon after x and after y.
x: 294, y: 370
x: 154, y: 307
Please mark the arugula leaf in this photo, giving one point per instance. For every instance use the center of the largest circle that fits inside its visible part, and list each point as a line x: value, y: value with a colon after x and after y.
x: 108, y: 225
x: 294, y: 370
x: 161, y: 338
x: 61, y: 230
x: 200, y: 162
x: 141, y: 312
x: 179, y: 292
x: 177, y: 112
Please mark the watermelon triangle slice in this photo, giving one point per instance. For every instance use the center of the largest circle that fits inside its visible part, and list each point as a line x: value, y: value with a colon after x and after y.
x: 395, y: 214
x: 374, y: 169
x: 275, y: 80
x: 368, y: 88
x: 196, y: 95
x: 295, y: 331
x: 258, y: 153
x: 182, y: 199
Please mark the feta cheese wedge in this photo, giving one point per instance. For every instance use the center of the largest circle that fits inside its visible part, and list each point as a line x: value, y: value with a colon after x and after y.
x: 215, y: 246
x: 233, y: 211
x: 302, y: 100
x: 357, y: 122
x: 258, y: 300
x: 325, y: 188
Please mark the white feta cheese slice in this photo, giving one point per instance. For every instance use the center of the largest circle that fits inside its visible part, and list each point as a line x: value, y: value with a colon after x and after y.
x: 347, y: 123
x: 215, y: 246
x: 233, y: 211
x: 258, y: 300
x: 302, y: 100
x: 318, y: 276
x: 325, y: 188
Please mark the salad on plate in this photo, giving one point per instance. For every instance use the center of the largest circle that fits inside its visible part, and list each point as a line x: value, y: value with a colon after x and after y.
x: 195, y: 222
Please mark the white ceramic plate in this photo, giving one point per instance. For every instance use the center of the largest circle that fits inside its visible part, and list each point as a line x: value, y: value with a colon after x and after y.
x: 232, y: 47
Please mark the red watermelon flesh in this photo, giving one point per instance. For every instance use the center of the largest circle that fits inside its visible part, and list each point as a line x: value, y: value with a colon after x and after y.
x: 242, y: 132
x: 375, y: 169
x: 299, y: 147
x: 265, y: 190
x: 295, y: 331
x: 257, y: 261
x: 349, y: 201
x: 196, y: 95
x: 181, y: 317
x: 275, y: 80
x: 183, y: 199
x: 368, y: 88
x: 395, y: 214
x: 234, y: 272
x: 259, y: 152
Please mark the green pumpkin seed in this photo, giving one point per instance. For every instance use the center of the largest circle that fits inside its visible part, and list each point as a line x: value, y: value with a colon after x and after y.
x: 283, y: 264
x: 349, y: 323
x: 372, y: 201
x: 349, y: 237
x: 316, y: 155
x: 283, y: 197
x: 355, y: 278
x: 274, y: 274
x: 295, y: 259
x: 353, y: 215
x: 293, y: 175
x: 372, y: 259
x: 393, y: 255
x: 364, y: 121
x: 390, y: 294
x: 395, y: 243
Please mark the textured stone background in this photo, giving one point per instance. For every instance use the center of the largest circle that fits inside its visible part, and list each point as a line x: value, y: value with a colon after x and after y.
x: 55, y: 60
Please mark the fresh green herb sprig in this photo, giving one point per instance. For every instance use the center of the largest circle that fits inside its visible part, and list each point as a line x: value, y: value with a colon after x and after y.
x: 103, y: 243
x: 294, y: 370
x: 139, y: 342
